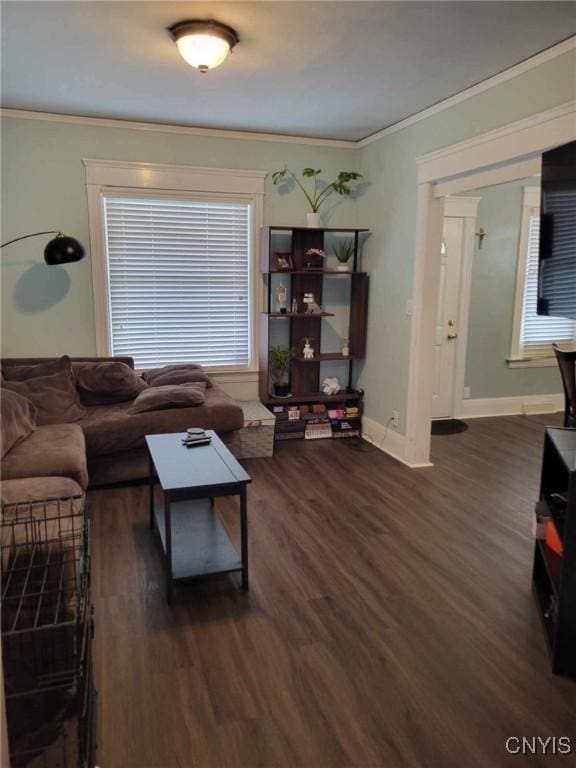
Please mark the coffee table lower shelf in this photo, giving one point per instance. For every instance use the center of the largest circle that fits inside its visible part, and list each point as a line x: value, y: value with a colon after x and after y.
x: 200, y: 545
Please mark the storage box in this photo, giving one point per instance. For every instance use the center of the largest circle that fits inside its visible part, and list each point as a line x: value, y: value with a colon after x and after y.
x: 256, y: 439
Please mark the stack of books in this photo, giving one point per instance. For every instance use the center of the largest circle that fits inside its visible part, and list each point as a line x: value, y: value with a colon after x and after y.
x: 318, y: 430
x: 289, y: 425
x: 346, y: 421
x: 195, y: 436
x: 314, y: 422
x: 317, y: 422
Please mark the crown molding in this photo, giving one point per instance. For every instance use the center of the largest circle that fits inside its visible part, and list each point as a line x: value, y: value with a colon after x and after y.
x: 183, y: 130
x: 516, y: 141
x: 485, y: 85
x: 190, y: 130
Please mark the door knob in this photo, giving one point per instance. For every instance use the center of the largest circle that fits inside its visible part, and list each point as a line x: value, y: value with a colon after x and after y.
x: 452, y: 336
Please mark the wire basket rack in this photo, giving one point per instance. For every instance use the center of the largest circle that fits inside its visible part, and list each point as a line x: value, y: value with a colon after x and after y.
x: 46, y: 631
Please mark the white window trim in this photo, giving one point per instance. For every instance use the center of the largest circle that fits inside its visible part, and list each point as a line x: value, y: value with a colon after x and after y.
x: 110, y: 177
x: 530, y: 205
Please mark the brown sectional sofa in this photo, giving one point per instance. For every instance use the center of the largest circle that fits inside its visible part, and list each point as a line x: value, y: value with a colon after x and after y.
x: 108, y: 444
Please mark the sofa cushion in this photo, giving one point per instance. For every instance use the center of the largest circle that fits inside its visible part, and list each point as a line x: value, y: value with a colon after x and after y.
x: 54, y: 396
x: 111, y: 428
x: 37, y: 489
x: 107, y: 382
x: 24, y: 372
x: 176, y: 374
x: 58, y: 450
x: 17, y: 417
x: 169, y: 396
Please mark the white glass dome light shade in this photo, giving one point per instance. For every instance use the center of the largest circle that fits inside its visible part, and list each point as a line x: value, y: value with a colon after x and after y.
x: 203, y: 44
x: 203, y: 51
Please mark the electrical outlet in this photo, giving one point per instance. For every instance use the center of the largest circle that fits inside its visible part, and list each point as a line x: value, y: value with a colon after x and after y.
x: 395, y: 419
x: 466, y: 393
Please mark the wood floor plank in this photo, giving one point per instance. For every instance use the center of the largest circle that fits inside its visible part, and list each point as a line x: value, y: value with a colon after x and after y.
x: 390, y: 621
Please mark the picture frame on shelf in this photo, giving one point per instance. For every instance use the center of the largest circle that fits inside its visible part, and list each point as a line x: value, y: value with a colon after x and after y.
x: 283, y: 262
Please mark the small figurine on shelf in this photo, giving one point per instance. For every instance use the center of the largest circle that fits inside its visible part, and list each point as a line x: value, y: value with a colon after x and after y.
x: 307, y: 352
x: 331, y: 386
x: 312, y: 308
x: 294, y: 307
x: 281, y: 297
x: 346, y: 349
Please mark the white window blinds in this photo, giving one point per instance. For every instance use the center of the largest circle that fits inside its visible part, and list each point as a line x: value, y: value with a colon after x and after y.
x: 537, y: 331
x: 179, y: 280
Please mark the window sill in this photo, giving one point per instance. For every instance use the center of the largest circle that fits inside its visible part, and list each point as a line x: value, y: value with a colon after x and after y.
x: 532, y: 362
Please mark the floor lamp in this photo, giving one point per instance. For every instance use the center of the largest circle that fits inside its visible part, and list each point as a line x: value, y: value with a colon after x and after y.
x: 60, y: 250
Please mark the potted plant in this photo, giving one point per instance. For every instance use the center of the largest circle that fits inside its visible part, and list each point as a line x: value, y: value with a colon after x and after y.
x: 280, y: 358
x: 319, y: 194
x: 344, y: 250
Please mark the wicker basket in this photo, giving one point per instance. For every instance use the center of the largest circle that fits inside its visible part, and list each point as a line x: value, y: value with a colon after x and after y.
x: 256, y: 439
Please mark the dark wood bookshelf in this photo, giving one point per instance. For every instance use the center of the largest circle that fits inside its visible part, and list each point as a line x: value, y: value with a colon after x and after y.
x: 326, y: 356
x: 304, y: 276
x: 287, y: 228
x: 554, y: 576
x: 312, y: 397
x: 337, y: 272
x: 308, y: 315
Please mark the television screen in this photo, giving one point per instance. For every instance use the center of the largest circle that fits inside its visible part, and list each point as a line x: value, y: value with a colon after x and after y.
x: 557, y: 273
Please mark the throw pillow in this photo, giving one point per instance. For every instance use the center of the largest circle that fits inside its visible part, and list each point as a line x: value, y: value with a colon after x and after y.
x: 107, y: 382
x: 17, y: 419
x: 170, y: 396
x: 55, y: 397
x: 176, y: 374
x: 25, y: 372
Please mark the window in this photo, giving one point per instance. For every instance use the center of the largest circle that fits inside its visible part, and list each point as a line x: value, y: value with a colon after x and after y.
x: 178, y: 280
x: 533, y: 334
x: 174, y: 263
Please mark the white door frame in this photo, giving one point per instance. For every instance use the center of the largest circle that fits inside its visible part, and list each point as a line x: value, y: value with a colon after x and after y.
x: 463, y: 208
x: 467, y: 162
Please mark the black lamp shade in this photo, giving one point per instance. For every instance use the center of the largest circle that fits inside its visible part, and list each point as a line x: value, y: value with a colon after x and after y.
x: 63, y: 250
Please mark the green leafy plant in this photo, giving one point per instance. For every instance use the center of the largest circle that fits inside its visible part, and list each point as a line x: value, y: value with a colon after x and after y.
x: 317, y: 196
x: 280, y: 358
x: 344, y: 250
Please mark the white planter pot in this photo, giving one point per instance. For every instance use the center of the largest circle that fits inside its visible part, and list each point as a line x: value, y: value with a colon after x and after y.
x: 342, y: 267
x: 313, y: 219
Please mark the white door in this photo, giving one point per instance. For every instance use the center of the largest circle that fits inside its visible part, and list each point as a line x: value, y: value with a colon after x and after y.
x: 446, y: 337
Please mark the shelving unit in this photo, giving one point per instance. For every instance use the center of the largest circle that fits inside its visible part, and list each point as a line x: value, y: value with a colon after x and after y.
x: 305, y: 374
x: 554, y: 576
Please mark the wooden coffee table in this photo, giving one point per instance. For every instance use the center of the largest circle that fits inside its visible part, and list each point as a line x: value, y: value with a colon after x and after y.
x: 194, y: 541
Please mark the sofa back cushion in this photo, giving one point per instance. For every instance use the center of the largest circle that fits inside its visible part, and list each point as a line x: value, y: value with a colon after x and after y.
x: 185, y: 373
x: 169, y: 396
x: 54, y: 396
x: 17, y: 362
x: 33, y: 371
x: 17, y: 419
x: 107, y: 382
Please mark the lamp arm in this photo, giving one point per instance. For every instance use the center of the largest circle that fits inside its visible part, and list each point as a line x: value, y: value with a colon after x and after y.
x: 34, y: 234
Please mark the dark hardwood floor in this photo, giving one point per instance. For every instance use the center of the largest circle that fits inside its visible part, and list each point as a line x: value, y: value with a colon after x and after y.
x: 390, y: 620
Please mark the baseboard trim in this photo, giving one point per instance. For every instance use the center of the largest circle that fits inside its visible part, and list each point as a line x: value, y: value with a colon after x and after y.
x: 511, y: 406
x: 388, y: 440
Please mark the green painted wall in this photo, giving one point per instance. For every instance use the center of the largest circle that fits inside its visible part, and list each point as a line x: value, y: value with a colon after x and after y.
x: 389, y: 209
x: 492, y: 301
x: 49, y: 310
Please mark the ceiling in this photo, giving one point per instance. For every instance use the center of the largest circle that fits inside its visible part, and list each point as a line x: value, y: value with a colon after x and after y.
x: 324, y: 69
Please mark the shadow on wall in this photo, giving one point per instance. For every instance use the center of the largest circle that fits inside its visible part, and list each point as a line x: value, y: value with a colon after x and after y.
x: 40, y: 288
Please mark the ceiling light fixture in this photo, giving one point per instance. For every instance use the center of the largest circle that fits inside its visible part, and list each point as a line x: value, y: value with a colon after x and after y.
x: 203, y: 44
